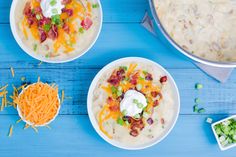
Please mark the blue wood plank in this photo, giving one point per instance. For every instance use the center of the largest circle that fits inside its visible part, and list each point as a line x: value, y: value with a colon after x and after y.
x: 216, y: 98
x: 131, y: 11
x: 74, y: 136
x: 115, y: 41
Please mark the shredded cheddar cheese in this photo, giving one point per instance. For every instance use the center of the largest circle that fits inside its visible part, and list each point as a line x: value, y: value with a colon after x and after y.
x: 10, y: 131
x: 38, y: 103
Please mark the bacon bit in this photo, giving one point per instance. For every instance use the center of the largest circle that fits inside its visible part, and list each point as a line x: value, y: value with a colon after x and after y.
x: 27, y: 9
x: 148, y: 77
x: 109, y: 100
x: 53, y: 32
x: 114, y: 108
x: 43, y: 36
x: 66, y: 28
x: 134, y: 78
x: 150, y: 121
x: 116, y: 77
x: 162, y: 121
x: 86, y: 23
x: 64, y: 2
x: 134, y: 133
x: 68, y: 11
x: 44, y: 21
x: 38, y: 10
x: 156, y: 103
x: 163, y: 79
x: 154, y: 94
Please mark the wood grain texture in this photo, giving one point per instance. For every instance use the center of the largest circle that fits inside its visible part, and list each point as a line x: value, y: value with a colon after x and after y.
x: 74, y: 136
x: 216, y: 98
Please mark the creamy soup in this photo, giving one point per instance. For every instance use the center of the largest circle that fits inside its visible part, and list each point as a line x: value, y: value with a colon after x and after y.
x: 133, y: 103
x: 57, y: 29
x: 205, y: 28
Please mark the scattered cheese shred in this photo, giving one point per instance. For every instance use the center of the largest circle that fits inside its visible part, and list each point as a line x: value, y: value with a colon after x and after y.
x: 38, y: 103
x: 10, y: 131
x: 62, y: 96
x: 12, y: 72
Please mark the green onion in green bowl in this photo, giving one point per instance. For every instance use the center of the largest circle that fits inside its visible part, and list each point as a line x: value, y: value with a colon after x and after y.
x: 225, y: 132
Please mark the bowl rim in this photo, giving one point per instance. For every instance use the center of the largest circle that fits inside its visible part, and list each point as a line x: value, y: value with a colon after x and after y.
x: 93, y: 119
x: 216, y: 136
x: 28, y: 122
x: 180, y: 49
x: 43, y: 59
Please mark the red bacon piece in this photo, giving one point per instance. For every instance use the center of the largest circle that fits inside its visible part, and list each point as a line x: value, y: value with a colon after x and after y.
x: 86, y: 23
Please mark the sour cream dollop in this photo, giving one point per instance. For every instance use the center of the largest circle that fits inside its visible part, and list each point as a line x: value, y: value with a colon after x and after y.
x: 51, y: 7
x: 133, y: 103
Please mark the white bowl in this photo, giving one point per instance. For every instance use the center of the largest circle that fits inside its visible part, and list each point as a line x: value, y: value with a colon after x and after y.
x: 216, y: 136
x: 28, y: 122
x: 44, y: 59
x: 93, y: 119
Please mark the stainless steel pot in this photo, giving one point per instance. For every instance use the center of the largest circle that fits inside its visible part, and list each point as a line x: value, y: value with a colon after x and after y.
x: 180, y: 49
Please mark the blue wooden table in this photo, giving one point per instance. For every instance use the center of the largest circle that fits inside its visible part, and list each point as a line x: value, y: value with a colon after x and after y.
x: 121, y: 36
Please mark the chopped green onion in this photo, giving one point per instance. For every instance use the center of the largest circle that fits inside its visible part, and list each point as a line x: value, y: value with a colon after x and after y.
x: 54, y: 11
x: 145, y: 72
x: 140, y: 105
x: 124, y: 67
x: 209, y: 120
x: 198, y: 86
x: 201, y: 110
x: 53, y: 2
x: 120, y: 121
x: 32, y: 11
x: 47, y: 27
x: 95, y: 5
x: 137, y: 116
x: 38, y: 16
x: 141, y: 78
x: 197, y: 100
x: 139, y: 86
x: 113, y: 89
x: 81, y: 30
x: 119, y: 93
x: 195, y: 108
x: 124, y: 112
x: 56, y: 20
x: 47, y: 55
x: 120, y: 88
x: 135, y: 101
x: 126, y: 79
x: 35, y: 47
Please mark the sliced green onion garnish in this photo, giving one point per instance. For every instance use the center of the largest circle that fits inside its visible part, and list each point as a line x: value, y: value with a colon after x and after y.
x: 95, y: 5
x: 81, y: 30
x: 135, y: 101
x: 209, y: 120
x: 53, y: 2
x: 124, y: 67
x: 197, y: 100
x: 139, y: 86
x: 198, y: 86
x: 113, y: 89
x: 47, y: 27
x: 35, y: 47
x: 38, y: 17
x: 195, y: 108
x: 124, y: 112
x: 120, y: 121
x: 54, y: 11
x: 201, y: 110
x: 140, y: 105
x: 137, y: 116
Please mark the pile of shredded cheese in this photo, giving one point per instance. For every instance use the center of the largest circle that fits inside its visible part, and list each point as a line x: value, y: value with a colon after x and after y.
x: 38, y: 103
